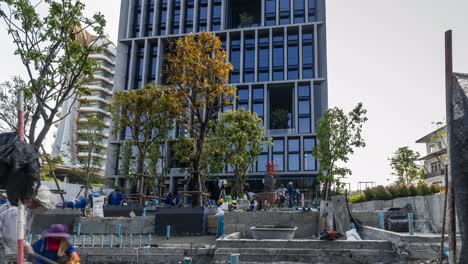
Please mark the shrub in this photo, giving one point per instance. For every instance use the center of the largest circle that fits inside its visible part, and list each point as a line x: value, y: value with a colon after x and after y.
x: 357, y: 198
x: 413, y: 191
x: 423, y: 189
x: 368, y: 194
x: 403, y: 190
x: 381, y: 193
x: 394, y: 191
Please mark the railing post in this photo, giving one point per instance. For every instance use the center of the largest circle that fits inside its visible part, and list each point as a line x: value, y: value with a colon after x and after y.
x: 235, y: 258
x: 410, y: 224
x: 168, y: 232
x: 381, y: 219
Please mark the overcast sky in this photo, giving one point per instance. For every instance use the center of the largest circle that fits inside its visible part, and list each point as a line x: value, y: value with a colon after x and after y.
x: 388, y: 54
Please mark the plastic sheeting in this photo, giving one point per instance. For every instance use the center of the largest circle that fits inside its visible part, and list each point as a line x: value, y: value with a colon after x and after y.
x: 19, y: 168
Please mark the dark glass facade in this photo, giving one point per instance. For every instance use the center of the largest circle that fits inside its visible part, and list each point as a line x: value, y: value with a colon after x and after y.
x: 274, y: 48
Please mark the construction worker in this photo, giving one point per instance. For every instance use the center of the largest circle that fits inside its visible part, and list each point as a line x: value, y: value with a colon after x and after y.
x: 8, y: 223
x: 54, y: 245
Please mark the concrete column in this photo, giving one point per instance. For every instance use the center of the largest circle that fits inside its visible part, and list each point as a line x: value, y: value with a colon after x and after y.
x: 277, y: 12
x: 271, y: 53
x: 156, y: 17
x: 306, y: 11
x: 262, y: 15
x: 312, y: 109
x: 209, y: 24
x: 228, y: 46
x: 223, y: 14
x: 266, y: 116
x: 291, y: 11
x: 285, y: 50
x: 131, y: 72
x: 301, y: 154
x: 144, y: 13
x: 296, y: 107
x: 195, y: 15
x: 242, y: 56
x: 169, y: 17
x: 182, y: 16
x: 160, y: 59
x: 130, y: 14
x: 300, y: 51
x: 145, y: 62
x: 256, y: 56
x: 316, y: 53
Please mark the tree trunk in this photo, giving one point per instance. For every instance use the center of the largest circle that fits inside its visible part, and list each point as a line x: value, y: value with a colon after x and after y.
x: 140, y: 170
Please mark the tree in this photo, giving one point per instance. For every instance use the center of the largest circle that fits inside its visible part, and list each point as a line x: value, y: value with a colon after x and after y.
x: 404, y: 165
x: 338, y: 134
x: 91, y: 131
x: 9, y: 104
x: 54, y: 49
x: 238, y: 140
x: 149, y: 115
x: 199, y: 70
x: 48, y: 164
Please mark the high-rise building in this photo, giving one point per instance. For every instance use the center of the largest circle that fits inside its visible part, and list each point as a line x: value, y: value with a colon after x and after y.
x: 278, y: 52
x: 72, y: 140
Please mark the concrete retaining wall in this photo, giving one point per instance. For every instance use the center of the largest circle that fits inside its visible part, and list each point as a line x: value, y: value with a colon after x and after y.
x: 306, y: 222
x: 144, y: 255
x: 429, y: 208
x: 136, y: 225
x: 409, y: 248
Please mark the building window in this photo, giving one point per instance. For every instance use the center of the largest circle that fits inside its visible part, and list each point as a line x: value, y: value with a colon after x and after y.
x: 189, y: 7
x: 249, y: 58
x: 278, y: 56
x: 312, y: 11
x: 139, y: 67
x: 309, y: 161
x: 262, y: 159
x: 284, y: 12
x: 162, y: 17
x: 263, y: 58
x: 270, y: 12
x: 149, y: 17
x: 281, y: 101
x: 307, y: 54
x: 243, y: 13
x: 278, y: 154
x: 293, y: 56
x: 293, y: 154
x: 176, y: 17
x: 235, y: 59
x: 136, y: 19
x: 303, y: 97
x: 203, y: 15
x: 257, y: 101
x: 243, y: 98
x: 216, y: 15
x: 299, y: 11
x: 436, y: 166
x: 153, y: 63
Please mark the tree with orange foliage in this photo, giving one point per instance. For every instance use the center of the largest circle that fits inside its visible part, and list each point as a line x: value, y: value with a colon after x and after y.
x: 198, y: 68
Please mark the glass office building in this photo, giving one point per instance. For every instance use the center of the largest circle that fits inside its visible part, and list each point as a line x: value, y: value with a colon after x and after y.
x: 278, y: 52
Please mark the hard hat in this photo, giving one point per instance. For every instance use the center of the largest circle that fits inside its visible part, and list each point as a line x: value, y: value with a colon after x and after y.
x: 234, y: 202
x: 43, y: 196
x: 221, y: 201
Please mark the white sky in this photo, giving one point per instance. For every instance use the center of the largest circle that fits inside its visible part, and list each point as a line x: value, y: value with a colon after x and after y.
x: 388, y: 54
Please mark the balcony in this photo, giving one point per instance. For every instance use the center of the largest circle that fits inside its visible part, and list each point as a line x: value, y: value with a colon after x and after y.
x: 434, y: 174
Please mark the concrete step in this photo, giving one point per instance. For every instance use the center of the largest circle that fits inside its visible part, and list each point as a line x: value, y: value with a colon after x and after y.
x: 306, y: 251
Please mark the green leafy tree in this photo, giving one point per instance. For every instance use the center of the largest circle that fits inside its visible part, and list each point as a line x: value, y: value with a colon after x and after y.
x: 54, y: 50
x: 8, y: 104
x: 404, y: 165
x: 149, y: 113
x: 199, y: 70
x: 238, y: 140
x: 338, y: 134
x: 48, y: 165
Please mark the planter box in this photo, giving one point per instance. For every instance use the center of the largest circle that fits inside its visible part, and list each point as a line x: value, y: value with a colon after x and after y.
x: 273, y: 232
